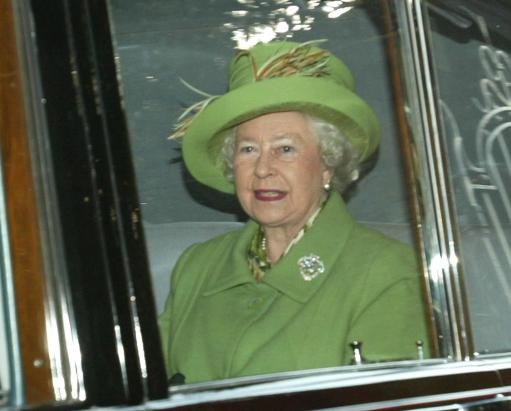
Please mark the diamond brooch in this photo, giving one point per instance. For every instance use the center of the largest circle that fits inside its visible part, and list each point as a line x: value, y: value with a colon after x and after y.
x: 310, y: 267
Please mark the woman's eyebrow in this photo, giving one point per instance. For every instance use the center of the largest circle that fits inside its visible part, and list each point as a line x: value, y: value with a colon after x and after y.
x: 277, y: 137
x: 242, y: 138
x: 285, y: 137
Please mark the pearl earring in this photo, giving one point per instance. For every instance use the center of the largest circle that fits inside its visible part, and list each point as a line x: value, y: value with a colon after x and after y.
x: 326, y: 186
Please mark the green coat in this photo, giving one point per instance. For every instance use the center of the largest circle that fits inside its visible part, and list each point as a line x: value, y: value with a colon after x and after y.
x: 219, y: 323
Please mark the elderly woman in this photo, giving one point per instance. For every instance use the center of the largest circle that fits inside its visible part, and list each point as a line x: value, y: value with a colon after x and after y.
x: 302, y: 280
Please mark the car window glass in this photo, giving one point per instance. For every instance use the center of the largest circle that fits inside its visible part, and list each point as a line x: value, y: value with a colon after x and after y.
x: 169, y: 50
x: 472, y: 45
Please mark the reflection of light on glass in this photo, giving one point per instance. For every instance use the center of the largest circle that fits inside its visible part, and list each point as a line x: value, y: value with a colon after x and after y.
x: 291, y: 10
x: 277, y: 12
x: 282, y: 18
x: 239, y: 13
x: 453, y: 260
x: 335, y: 9
x: 301, y: 27
x: 312, y: 4
x: 437, y: 266
x: 281, y: 27
x: 330, y: 6
x: 257, y: 34
x: 336, y: 13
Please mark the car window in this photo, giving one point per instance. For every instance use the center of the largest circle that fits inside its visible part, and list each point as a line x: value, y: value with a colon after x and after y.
x: 471, y: 47
x: 170, y: 52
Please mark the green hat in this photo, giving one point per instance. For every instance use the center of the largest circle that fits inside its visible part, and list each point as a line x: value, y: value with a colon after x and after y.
x: 273, y: 77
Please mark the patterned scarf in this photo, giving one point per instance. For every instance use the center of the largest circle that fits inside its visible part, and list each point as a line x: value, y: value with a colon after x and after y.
x: 257, y: 256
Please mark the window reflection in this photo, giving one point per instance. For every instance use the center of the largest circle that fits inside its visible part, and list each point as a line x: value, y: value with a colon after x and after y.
x: 160, y: 43
x: 280, y: 19
x: 476, y: 109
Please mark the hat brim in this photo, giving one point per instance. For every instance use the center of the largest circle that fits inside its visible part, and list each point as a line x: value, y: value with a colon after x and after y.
x: 316, y: 96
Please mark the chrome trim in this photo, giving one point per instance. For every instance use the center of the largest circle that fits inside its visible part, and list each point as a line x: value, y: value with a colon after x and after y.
x: 338, y: 377
x: 133, y: 304
x: 438, y: 228
x: 121, y: 355
x: 15, y: 388
x: 63, y: 345
x: 458, y: 396
x: 341, y: 373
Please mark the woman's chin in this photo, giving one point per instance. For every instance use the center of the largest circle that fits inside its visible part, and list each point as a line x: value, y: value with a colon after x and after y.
x: 274, y: 222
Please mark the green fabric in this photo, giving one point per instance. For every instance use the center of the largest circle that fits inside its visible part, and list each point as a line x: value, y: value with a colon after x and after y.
x: 220, y: 323
x: 330, y: 96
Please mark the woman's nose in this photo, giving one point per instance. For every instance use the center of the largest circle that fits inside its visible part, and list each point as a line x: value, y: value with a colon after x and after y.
x: 264, y: 165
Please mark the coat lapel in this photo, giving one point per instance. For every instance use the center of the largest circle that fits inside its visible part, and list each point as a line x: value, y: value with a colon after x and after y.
x: 325, y: 239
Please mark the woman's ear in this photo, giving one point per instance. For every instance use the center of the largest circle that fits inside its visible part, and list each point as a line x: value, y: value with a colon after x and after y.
x: 327, y: 176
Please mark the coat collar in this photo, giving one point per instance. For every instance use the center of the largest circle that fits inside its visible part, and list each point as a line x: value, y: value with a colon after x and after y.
x: 233, y: 270
x: 326, y: 239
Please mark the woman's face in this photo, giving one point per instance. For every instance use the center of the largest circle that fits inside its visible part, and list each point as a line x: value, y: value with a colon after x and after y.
x: 278, y: 170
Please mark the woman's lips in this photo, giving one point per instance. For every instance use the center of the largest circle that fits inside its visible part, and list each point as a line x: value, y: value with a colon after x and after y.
x: 269, y: 195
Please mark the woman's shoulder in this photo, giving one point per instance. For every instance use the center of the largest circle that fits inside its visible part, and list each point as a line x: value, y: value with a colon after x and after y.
x: 380, y: 252
x: 365, y: 238
x: 192, y: 265
x: 375, y: 237
x: 216, y: 243
x: 199, y: 257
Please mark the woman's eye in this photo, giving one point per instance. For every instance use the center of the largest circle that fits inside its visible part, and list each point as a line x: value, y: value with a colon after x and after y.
x: 287, y: 149
x: 246, y: 149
